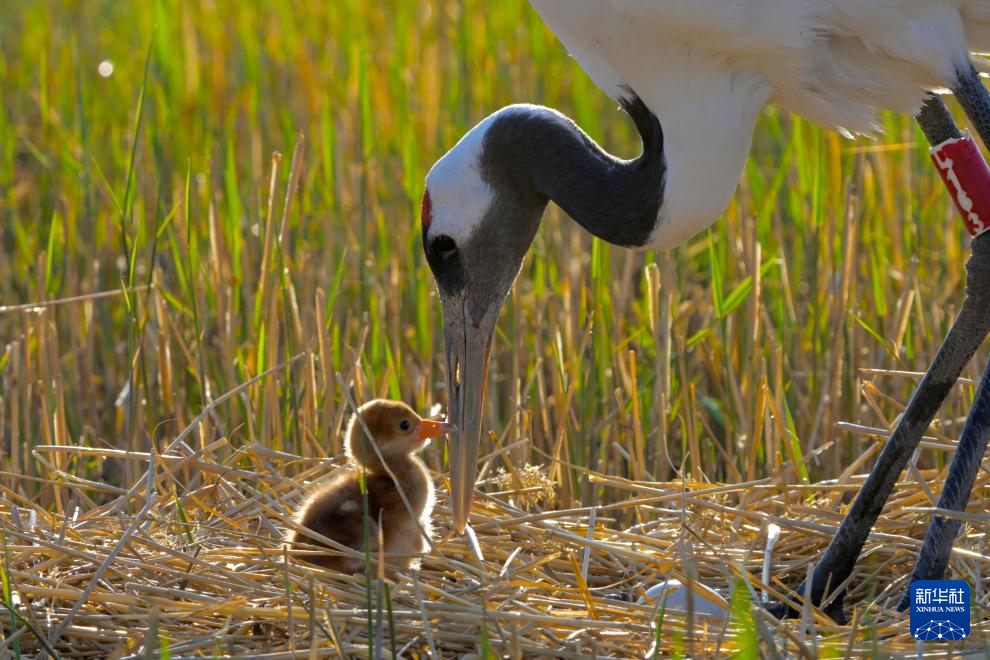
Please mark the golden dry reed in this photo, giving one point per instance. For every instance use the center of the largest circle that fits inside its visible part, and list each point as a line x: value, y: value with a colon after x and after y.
x: 180, y: 305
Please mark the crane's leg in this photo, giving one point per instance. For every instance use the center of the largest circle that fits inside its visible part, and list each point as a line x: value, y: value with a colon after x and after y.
x: 975, y: 101
x: 965, y: 335
x: 934, y: 556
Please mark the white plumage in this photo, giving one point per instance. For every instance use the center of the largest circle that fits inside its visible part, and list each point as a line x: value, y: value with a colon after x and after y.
x: 706, y: 68
x: 693, y: 75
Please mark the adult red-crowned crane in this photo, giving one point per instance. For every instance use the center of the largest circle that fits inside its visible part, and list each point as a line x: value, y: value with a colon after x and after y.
x: 694, y: 75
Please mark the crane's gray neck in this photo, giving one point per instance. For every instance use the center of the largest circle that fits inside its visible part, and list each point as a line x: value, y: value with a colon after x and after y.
x: 538, y: 154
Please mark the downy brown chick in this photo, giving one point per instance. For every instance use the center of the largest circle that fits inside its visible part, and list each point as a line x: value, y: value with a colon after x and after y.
x: 336, y: 510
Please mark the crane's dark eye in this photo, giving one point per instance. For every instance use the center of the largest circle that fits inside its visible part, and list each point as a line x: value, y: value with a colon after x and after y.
x: 405, y: 425
x: 444, y: 246
x: 445, y: 261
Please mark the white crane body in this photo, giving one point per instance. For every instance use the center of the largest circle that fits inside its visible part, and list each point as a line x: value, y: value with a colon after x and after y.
x: 707, y: 68
x: 694, y: 75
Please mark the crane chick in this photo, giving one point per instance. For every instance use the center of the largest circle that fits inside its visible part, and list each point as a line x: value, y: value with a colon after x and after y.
x: 336, y: 510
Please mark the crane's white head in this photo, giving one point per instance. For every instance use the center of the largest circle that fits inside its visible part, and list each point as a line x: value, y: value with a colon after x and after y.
x: 482, y: 206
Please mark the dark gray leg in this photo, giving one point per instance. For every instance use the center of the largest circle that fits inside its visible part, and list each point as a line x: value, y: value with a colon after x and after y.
x: 975, y: 100
x: 934, y: 556
x: 966, y: 334
x: 936, y: 122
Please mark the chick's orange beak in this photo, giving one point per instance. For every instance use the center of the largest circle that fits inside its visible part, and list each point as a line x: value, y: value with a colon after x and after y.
x: 429, y: 429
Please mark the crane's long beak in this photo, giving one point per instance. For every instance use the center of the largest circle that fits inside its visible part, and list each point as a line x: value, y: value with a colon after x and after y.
x: 467, y: 346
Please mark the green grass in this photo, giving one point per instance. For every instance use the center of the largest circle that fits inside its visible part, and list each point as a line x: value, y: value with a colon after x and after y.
x: 735, y: 358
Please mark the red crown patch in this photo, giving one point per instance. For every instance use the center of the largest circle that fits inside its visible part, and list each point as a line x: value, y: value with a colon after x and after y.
x: 426, y: 212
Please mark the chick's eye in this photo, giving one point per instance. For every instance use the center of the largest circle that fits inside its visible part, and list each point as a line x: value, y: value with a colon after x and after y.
x: 405, y: 425
x: 444, y: 246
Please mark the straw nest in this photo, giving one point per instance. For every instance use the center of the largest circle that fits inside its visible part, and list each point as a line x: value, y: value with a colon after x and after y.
x: 197, y: 569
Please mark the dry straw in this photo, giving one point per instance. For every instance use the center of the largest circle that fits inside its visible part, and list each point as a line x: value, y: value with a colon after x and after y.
x: 190, y: 560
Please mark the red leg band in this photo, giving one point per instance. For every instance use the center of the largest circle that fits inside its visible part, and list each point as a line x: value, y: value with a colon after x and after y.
x: 967, y: 177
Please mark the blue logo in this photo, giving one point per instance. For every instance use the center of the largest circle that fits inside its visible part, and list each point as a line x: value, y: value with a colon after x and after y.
x: 940, y: 610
